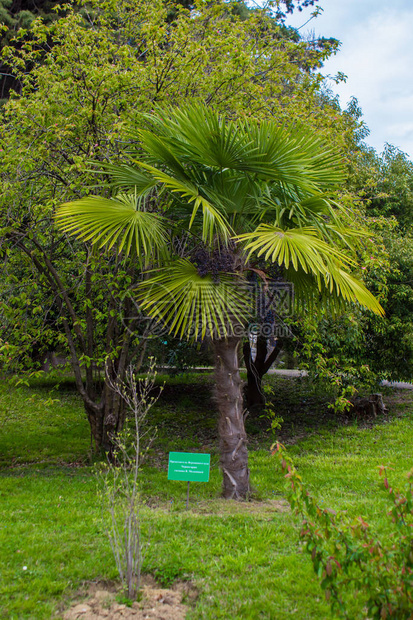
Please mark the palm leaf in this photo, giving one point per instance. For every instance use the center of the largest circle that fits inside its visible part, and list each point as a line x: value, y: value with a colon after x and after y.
x: 299, y: 246
x: 110, y: 222
x: 297, y: 152
x: 213, y: 222
x: 351, y: 289
x: 292, y: 156
x: 128, y: 178
x: 295, y: 156
x: 162, y: 152
x: 193, y: 306
x: 198, y: 134
x: 220, y: 174
x: 301, y: 251
x: 332, y: 292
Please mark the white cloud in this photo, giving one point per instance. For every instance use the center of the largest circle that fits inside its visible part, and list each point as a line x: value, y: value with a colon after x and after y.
x: 377, y: 56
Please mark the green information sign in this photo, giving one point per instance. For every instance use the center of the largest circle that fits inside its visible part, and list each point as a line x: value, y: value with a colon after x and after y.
x: 189, y: 467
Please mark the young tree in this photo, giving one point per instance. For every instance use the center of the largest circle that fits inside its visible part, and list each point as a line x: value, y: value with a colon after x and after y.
x: 238, y: 189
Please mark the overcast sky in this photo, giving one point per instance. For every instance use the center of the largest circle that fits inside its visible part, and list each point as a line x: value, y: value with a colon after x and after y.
x: 377, y: 56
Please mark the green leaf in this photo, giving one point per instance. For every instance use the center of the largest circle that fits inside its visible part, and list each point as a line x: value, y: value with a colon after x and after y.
x: 213, y: 222
x: 311, y: 264
x: 129, y: 178
x: 121, y: 221
x: 193, y: 306
x: 299, y: 246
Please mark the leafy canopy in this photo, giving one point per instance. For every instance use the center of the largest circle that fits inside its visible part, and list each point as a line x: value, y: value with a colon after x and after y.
x: 228, y: 182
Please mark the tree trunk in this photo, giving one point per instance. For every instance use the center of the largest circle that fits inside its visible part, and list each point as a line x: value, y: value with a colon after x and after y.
x: 253, y: 392
x: 106, y: 419
x: 232, y: 435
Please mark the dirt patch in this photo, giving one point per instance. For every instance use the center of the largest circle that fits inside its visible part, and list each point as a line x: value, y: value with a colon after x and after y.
x: 395, y: 398
x: 223, y: 507
x: 156, y: 603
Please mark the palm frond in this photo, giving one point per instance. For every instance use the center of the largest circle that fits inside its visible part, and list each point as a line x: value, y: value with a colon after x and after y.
x: 162, y: 152
x: 193, y: 306
x: 300, y: 247
x: 311, y: 263
x: 198, y: 134
x: 213, y: 222
x: 120, y: 221
x: 292, y: 155
x: 301, y: 152
x: 333, y: 292
x: 351, y: 289
x: 217, y: 175
x: 317, y: 211
x: 235, y: 193
x: 127, y: 178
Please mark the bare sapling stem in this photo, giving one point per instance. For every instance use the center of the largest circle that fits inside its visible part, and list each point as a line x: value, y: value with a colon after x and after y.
x: 119, y: 476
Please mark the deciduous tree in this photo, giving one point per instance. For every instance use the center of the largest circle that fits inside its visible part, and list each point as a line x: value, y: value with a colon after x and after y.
x: 85, y: 81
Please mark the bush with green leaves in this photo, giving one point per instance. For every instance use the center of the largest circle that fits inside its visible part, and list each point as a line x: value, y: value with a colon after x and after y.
x: 332, y: 350
x: 384, y: 186
x: 351, y: 561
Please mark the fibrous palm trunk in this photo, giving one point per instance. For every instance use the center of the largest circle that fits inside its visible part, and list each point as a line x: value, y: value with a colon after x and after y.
x: 232, y: 435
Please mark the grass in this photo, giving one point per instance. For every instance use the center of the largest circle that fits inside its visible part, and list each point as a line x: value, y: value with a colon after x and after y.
x: 244, y: 559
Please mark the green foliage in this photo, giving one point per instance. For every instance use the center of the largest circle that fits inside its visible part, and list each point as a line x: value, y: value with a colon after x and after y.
x: 291, y: 5
x: 354, y: 348
x: 235, y: 555
x: 270, y: 413
x: 391, y: 189
x: 123, y: 222
x: 217, y: 178
x: 384, y: 185
x: 333, y: 351
x: 389, y: 341
x: 18, y: 17
x: 350, y: 561
x: 191, y: 305
x: 111, y: 62
x: 21, y: 15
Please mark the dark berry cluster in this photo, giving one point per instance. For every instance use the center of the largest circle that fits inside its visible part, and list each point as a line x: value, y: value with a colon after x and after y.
x: 269, y: 317
x: 213, y: 262
x: 274, y: 272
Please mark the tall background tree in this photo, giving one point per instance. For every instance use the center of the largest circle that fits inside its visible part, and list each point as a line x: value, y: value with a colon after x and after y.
x: 16, y: 17
x: 369, y: 349
x: 85, y: 80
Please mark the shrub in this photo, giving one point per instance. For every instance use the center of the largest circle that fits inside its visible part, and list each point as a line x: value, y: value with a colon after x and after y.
x: 351, y: 561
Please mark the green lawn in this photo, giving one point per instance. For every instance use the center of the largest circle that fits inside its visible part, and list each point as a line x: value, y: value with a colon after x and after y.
x: 244, y: 559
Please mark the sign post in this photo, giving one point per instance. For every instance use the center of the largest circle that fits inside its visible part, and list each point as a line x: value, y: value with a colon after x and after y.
x: 189, y: 467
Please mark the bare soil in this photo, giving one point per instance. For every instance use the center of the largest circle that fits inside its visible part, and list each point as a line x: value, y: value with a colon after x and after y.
x: 221, y: 507
x: 155, y: 604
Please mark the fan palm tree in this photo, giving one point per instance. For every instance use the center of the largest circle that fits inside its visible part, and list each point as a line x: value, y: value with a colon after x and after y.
x: 232, y: 190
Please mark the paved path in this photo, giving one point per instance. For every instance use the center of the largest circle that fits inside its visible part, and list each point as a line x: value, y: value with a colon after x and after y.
x: 400, y: 385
